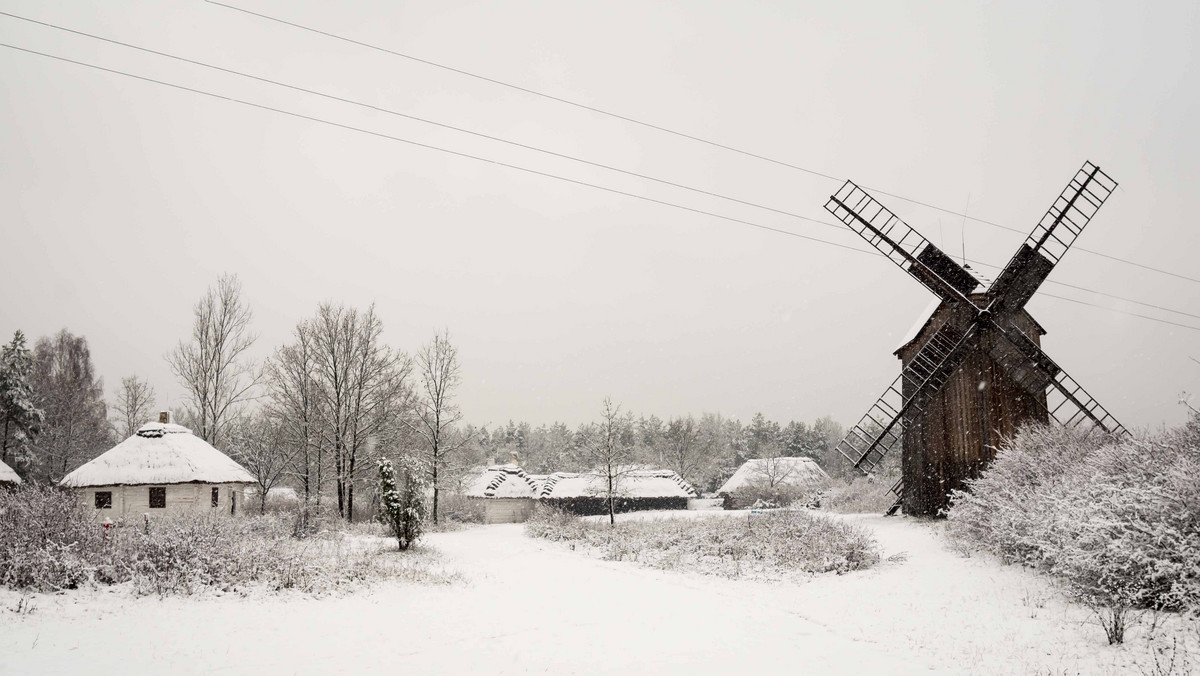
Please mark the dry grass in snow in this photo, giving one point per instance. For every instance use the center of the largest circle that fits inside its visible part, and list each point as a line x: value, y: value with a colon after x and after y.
x: 768, y: 545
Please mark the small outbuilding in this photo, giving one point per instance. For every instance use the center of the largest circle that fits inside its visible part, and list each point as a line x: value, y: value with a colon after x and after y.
x: 162, y: 468
x: 585, y: 493
x: 506, y: 493
x: 772, y: 474
x: 7, y: 476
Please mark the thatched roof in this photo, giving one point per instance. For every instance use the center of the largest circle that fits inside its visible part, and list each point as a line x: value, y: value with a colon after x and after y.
x: 503, y: 481
x: 637, y: 483
x: 7, y: 475
x: 798, y: 472
x: 160, y: 453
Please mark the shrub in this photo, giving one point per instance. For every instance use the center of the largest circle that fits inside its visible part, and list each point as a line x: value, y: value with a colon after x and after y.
x: 780, y: 495
x: 48, y: 544
x: 458, y: 508
x: 592, y: 505
x: 1118, y: 519
x: 766, y: 545
x: 868, y: 494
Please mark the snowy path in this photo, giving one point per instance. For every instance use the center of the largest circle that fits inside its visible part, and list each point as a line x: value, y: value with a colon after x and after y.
x: 535, y: 607
x: 530, y: 607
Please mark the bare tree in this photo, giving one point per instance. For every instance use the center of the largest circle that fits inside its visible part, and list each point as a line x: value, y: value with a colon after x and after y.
x: 609, y: 447
x: 364, y: 385
x: 134, y: 405
x: 259, y: 443
x: 213, y: 367
x: 76, y: 427
x: 683, y: 451
x: 295, y: 401
x: 773, y: 470
x: 435, y: 415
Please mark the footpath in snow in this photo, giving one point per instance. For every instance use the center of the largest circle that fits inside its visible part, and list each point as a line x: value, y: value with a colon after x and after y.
x: 531, y: 606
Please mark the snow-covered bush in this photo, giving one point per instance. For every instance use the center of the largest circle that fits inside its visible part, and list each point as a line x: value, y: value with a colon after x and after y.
x: 780, y: 495
x: 48, y: 544
x: 769, y: 545
x: 402, y: 499
x: 862, y: 495
x: 1118, y: 520
x: 458, y: 508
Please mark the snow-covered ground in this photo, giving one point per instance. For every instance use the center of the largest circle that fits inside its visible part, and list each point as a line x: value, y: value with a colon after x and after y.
x: 536, y: 607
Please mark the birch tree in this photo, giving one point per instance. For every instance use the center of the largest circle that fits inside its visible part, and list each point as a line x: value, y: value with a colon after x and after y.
x: 435, y: 414
x: 66, y: 387
x: 214, y: 366
x: 134, y: 405
x: 609, y: 447
x: 295, y: 399
x: 363, y: 383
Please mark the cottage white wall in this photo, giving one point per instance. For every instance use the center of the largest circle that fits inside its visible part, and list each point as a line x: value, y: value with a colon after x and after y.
x: 506, y: 510
x: 181, y: 498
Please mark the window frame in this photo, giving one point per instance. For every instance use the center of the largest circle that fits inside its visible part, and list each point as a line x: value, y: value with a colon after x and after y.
x: 216, y: 496
x: 161, y: 492
x: 106, y: 502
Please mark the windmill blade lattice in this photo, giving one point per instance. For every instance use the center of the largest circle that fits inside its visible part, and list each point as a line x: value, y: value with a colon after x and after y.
x: 902, y: 245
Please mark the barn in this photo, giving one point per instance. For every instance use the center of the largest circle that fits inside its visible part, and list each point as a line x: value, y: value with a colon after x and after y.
x: 506, y: 493
x: 7, y: 476
x: 162, y: 468
x: 772, y: 473
x: 636, y: 490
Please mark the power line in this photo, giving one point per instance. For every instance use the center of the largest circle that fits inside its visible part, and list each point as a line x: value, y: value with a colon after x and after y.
x: 1101, y: 293
x: 435, y: 123
x: 573, y: 158
x: 398, y: 139
x: 665, y: 130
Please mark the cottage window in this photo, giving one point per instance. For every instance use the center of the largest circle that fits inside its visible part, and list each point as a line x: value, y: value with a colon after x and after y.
x: 232, y: 502
x: 158, y: 497
x: 103, y: 499
x: 216, y: 496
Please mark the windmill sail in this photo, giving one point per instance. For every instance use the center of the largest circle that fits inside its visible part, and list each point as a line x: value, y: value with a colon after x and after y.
x: 882, y: 428
x: 1067, y: 402
x: 1051, y: 238
x: 902, y: 245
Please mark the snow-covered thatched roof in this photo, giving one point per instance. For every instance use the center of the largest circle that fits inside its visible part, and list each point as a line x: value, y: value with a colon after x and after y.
x: 503, y: 481
x: 783, y: 471
x: 160, y: 453
x: 636, y: 483
x: 7, y: 475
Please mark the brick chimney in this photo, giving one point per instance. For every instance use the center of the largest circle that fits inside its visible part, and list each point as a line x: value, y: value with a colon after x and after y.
x: 164, y: 417
x: 512, y: 458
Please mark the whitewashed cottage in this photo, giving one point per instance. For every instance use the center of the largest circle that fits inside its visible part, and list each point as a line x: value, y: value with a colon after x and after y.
x: 7, y: 476
x: 162, y: 468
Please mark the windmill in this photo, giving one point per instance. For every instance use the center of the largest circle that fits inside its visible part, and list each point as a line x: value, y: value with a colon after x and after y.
x: 975, y: 370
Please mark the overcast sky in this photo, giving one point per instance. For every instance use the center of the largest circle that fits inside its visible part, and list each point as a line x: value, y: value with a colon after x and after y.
x: 122, y: 200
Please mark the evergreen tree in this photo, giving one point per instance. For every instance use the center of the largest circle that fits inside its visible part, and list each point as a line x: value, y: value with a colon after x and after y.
x: 402, y: 505
x: 20, y: 419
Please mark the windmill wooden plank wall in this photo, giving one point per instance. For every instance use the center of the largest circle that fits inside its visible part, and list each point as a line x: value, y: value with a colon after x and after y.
x: 976, y: 371
x: 956, y: 434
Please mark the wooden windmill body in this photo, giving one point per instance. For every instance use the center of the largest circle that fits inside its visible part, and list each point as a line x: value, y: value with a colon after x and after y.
x: 974, y: 372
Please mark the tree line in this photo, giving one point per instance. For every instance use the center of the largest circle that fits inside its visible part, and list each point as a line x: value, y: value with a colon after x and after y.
x: 704, y: 449
x: 323, y: 408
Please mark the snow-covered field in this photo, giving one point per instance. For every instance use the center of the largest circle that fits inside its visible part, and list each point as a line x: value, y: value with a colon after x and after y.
x: 536, y: 607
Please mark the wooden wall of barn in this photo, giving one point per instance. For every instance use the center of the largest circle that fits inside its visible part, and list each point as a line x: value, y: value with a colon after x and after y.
x: 956, y: 436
